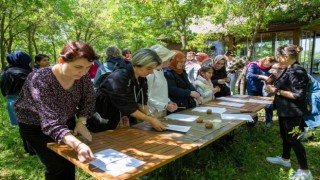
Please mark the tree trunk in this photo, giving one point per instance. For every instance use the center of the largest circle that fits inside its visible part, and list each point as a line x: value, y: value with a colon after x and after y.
x: 54, y: 50
x: 30, y: 49
x: 34, y: 28
x: 242, y: 77
x: 2, y: 43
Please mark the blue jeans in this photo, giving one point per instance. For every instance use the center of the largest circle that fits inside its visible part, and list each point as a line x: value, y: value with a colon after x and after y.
x: 11, y: 99
x: 268, y: 108
x: 232, y: 83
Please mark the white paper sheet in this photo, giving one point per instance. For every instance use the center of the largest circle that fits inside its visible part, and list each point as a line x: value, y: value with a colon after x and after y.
x: 232, y: 99
x: 213, y: 109
x: 178, y: 128
x: 115, y: 162
x: 240, y: 96
x: 182, y: 117
x: 260, y: 101
x: 231, y: 104
x: 236, y: 117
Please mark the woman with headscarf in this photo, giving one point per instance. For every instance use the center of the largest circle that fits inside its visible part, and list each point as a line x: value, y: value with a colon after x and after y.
x: 181, y: 91
x: 13, y: 78
x: 158, y: 97
x: 219, y: 77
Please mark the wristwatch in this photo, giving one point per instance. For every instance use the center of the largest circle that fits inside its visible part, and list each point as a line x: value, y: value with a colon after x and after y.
x: 278, y: 92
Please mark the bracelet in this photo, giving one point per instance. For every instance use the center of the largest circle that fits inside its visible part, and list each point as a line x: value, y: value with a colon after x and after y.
x: 78, y: 146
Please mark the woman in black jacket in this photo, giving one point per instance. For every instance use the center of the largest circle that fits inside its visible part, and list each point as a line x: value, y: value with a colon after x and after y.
x: 291, y: 91
x: 181, y: 91
x: 219, y: 77
x: 13, y: 78
x: 124, y: 91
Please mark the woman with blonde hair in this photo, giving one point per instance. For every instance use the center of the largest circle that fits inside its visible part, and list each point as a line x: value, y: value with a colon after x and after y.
x: 124, y: 91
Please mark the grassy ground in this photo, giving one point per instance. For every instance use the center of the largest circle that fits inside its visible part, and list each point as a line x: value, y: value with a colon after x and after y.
x: 242, y: 157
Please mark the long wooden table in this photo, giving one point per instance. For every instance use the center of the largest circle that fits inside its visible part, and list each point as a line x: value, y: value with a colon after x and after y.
x: 198, y: 134
x: 249, y: 107
x: 154, y: 148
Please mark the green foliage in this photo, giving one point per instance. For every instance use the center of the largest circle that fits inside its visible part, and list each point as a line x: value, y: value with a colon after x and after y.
x: 45, y: 26
x: 226, y: 158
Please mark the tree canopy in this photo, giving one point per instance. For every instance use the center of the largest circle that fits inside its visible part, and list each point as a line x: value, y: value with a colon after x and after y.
x: 36, y: 26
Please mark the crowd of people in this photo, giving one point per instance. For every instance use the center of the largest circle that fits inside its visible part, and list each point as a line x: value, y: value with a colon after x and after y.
x: 54, y: 103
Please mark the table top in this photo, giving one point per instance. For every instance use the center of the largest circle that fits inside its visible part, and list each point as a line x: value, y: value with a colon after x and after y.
x: 155, y: 148
x: 198, y: 134
x: 249, y: 107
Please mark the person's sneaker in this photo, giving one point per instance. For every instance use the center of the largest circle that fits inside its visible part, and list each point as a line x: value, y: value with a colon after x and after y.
x: 302, y: 175
x: 268, y: 124
x: 279, y: 160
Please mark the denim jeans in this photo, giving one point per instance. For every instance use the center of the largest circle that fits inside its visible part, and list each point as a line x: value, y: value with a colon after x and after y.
x: 11, y: 99
x: 232, y: 83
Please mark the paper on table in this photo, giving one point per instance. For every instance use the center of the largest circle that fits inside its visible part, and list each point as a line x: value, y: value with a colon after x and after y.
x: 214, y: 109
x: 236, y: 117
x: 182, y: 117
x: 240, y: 96
x: 260, y: 101
x: 115, y: 162
x: 178, y: 128
x: 231, y: 104
x: 232, y: 99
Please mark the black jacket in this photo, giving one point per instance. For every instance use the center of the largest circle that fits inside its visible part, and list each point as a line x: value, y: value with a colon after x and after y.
x: 220, y: 74
x: 12, y: 80
x: 179, y: 88
x: 120, y: 94
x: 294, y: 79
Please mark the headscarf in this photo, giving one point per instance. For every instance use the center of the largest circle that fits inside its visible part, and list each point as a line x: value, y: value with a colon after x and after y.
x: 218, y: 58
x: 201, y: 57
x: 19, y: 59
x: 179, y: 56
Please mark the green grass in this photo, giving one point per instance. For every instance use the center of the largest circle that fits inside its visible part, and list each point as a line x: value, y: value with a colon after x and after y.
x: 240, y: 158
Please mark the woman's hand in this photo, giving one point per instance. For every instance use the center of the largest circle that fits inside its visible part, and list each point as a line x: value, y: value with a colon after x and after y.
x: 270, y: 89
x: 263, y: 77
x: 158, y: 125
x: 221, y: 81
x: 194, y: 94
x: 84, y: 153
x: 200, y: 99
x: 171, y: 106
x: 216, y: 89
x: 227, y: 79
x: 82, y: 129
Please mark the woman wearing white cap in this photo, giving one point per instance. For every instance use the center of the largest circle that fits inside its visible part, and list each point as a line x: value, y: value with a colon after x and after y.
x: 158, y: 99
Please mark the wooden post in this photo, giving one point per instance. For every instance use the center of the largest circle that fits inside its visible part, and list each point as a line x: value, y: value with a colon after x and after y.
x: 231, y: 42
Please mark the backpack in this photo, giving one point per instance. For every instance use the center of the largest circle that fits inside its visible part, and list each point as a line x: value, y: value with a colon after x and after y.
x: 107, y: 69
x: 312, y: 119
x: 100, y: 121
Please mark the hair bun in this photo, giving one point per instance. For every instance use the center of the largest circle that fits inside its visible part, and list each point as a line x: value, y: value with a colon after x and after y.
x: 299, y: 49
